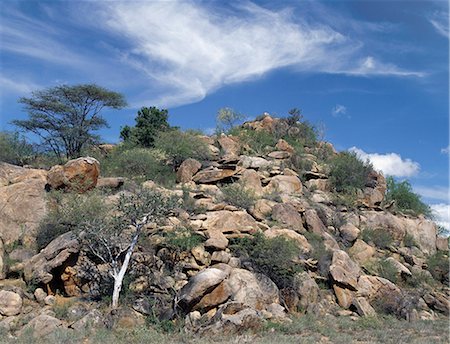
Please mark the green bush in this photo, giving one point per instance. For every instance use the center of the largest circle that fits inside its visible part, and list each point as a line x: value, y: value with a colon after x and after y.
x: 69, y: 212
x: 149, y: 123
x: 409, y: 240
x: 227, y: 119
x: 438, y: 265
x: 405, y: 199
x: 386, y: 269
x: 140, y: 163
x: 179, y: 146
x: 348, y: 173
x: 14, y: 149
x: 271, y: 257
x: 183, y: 239
x: 319, y: 252
x: 238, y: 195
x: 379, y: 237
x: 256, y: 142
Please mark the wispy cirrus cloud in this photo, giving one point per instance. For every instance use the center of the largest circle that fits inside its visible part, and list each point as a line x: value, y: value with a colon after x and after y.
x: 439, y: 20
x: 193, y: 48
x: 391, y: 164
x: 338, y: 110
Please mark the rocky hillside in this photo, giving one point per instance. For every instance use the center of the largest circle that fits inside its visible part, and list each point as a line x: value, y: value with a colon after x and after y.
x: 259, y: 234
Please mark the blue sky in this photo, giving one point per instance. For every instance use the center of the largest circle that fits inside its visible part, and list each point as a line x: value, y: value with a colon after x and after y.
x: 374, y: 74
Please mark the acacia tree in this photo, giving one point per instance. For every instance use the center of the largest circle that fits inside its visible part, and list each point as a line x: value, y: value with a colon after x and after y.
x: 113, y: 240
x: 64, y: 117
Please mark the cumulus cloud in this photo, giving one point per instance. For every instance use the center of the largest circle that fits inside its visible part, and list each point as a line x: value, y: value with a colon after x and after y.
x: 193, y: 48
x: 434, y: 192
x: 338, y: 110
x: 390, y: 164
x: 446, y: 150
x: 441, y: 212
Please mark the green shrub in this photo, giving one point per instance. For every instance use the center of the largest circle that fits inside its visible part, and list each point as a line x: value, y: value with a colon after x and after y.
x: 419, y: 279
x: 405, y: 199
x: 183, y: 239
x: 438, y: 265
x: 179, y: 146
x: 140, y: 163
x: 254, y: 142
x: 14, y: 149
x: 409, y: 240
x: 68, y: 212
x: 348, y: 173
x: 319, y: 252
x: 379, y: 237
x: 238, y: 195
x: 149, y: 123
x: 271, y: 257
x: 227, y: 119
x: 386, y: 269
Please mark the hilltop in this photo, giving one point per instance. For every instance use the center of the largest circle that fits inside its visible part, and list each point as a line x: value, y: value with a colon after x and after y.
x: 252, y: 229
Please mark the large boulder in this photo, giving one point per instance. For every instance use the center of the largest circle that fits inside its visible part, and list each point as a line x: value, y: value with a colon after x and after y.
x: 78, y: 174
x: 10, y: 303
x: 313, y: 222
x: 22, y: 203
x: 307, y: 290
x: 253, y: 290
x: 229, y: 146
x: 187, y: 169
x: 42, y: 326
x: 204, y: 282
x: 39, y: 268
x: 284, y: 185
x: 230, y: 223
x: 344, y: 270
x: 212, y: 175
x: 290, y: 235
x: 373, y: 193
x: 251, y: 182
x: 253, y: 162
x: 422, y: 230
x: 361, y: 252
x: 288, y: 215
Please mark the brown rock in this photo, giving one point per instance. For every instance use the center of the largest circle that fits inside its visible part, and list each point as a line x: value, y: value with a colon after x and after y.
x: 373, y: 194
x: 349, y: 232
x: 10, y: 303
x: 286, y: 214
x: 199, y: 285
x: 230, y: 222
x: 230, y: 147
x: 22, y: 203
x: 313, y: 222
x: 110, y: 182
x: 219, y: 295
x: 187, y: 170
x: 344, y: 296
x: 213, y: 175
x: 344, y: 270
x: 318, y: 184
x: 284, y: 185
x: 361, y: 252
x: 2, y: 255
x: 79, y: 174
x: 253, y: 290
x: 442, y: 244
x: 39, y: 268
x: 262, y: 209
x: 42, y: 326
x: 363, y: 307
x: 299, y: 239
x: 307, y: 290
x: 279, y: 155
x: 371, y: 286
x: 282, y: 145
x: 253, y: 162
x: 251, y: 182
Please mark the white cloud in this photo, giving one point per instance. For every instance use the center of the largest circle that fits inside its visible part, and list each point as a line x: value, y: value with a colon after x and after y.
x: 439, y: 20
x: 193, y: 48
x: 441, y: 212
x: 8, y: 85
x: 434, y: 192
x: 445, y: 150
x: 338, y: 110
x: 390, y: 164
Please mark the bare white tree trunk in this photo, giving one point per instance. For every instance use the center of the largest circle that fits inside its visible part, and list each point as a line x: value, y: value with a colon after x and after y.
x: 118, y: 277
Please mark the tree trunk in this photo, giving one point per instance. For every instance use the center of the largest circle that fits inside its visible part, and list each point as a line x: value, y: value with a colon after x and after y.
x: 118, y: 278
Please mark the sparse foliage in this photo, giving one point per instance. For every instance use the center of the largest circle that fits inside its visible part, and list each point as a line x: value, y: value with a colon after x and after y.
x: 380, y: 237
x: 112, y: 240
x: 238, y: 195
x: 405, y: 199
x: 348, y: 173
x: 65, y: 117
x: 227, y: 118
x: 14, y: 149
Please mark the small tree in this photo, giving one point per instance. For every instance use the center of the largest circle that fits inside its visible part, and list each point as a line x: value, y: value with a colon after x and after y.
x: 227, y: 118
x: 113, y: 240
x: 149, y: 122
x: 64, y: 117
x: 14, y: 149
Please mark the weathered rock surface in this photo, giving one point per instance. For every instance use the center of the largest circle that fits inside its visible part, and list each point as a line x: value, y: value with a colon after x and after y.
x: 230, y: 147
x: 10, y: 303
x: 344, y: 271
x: 211, y: 175
x: 286, y: 214
x: 22, y: 203
x: 361, y: 252
x: 39, y: 268
x: 284, y: 185
x: 42, y: 326
x: 289, y: 234
x: 187, y: 170
x: 79, y: 174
